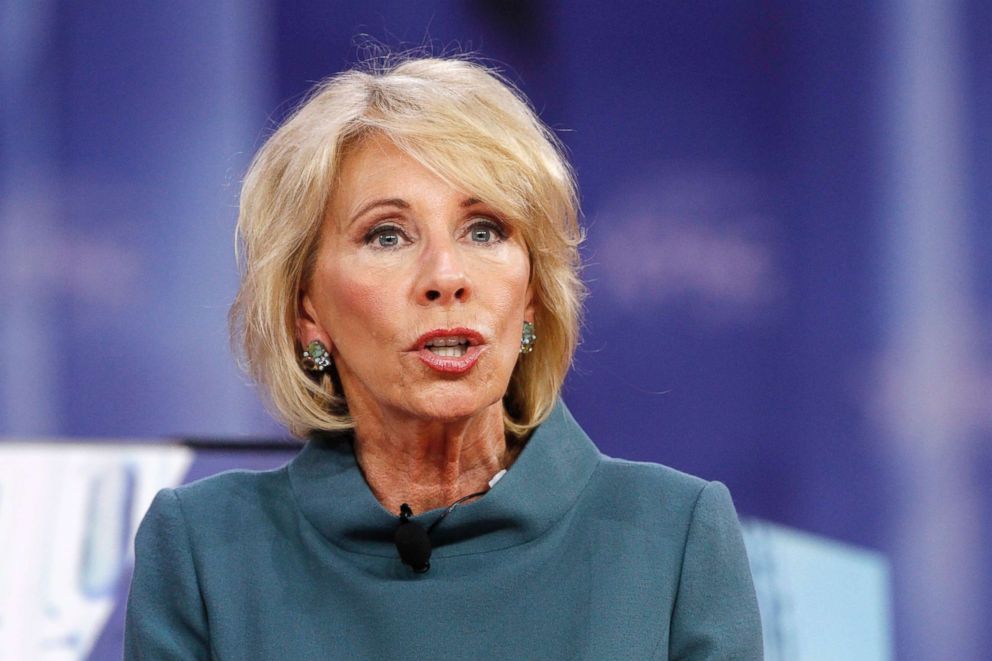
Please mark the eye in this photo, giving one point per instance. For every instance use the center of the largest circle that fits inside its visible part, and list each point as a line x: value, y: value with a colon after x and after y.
x: 485, y: 230
x: 385, y: 236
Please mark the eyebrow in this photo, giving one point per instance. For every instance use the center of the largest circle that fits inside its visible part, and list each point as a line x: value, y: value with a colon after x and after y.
x: 400, y: 203
x: 391, y: 202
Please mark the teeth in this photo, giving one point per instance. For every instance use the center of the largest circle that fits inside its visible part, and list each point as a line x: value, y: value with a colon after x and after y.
x: 450, y: 352
x: 447, y: 341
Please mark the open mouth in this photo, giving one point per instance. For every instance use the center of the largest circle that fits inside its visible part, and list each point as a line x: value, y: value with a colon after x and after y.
x: 448, y: 347
x: 450, y: 350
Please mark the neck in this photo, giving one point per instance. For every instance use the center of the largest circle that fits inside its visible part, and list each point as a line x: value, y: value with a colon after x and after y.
x: 426, y: 463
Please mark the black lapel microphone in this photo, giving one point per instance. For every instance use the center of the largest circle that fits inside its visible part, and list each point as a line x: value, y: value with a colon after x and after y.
x: 413, y: 541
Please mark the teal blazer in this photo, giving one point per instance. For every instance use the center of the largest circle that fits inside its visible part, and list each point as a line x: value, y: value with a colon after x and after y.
x: 571, y: 555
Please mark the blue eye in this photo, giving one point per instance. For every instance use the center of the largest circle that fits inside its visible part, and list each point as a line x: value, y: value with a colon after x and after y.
x: 486, y: 231
x: 388, y: 239
x: 385, y: 236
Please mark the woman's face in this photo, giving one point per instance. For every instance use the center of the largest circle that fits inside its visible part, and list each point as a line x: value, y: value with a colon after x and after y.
x: 405, y: 262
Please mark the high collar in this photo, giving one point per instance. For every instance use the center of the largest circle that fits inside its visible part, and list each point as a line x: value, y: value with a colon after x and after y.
x: 538, y: 489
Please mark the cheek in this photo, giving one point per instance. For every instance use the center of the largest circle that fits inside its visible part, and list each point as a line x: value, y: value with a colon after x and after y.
x: 510, y: 294
x: 514, y: 284
x: 362, y: 309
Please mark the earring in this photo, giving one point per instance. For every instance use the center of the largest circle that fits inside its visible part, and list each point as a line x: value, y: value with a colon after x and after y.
x: 527, y: 338
x: 315, y: 357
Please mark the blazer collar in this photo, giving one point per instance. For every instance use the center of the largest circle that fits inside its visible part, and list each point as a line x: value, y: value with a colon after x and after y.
x: 538, y: 489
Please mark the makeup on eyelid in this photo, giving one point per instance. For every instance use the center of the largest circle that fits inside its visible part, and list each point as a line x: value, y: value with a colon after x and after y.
x: 497, y: 233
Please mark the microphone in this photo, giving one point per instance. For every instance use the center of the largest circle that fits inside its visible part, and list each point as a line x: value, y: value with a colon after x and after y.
x: 413, y: 541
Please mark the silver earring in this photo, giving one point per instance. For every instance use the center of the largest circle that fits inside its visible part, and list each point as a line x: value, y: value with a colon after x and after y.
x: 315, y: 357
x: 527, y: 338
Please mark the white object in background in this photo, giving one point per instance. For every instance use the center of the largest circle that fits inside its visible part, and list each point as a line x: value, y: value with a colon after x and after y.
x: 819, y: 599
x: 68, y: 514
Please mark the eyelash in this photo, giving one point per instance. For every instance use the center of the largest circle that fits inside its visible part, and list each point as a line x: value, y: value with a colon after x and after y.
x: 497, y: 228
x: 379, y: 230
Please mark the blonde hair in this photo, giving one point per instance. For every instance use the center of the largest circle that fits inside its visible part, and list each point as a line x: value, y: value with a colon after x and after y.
x: 473, y: 129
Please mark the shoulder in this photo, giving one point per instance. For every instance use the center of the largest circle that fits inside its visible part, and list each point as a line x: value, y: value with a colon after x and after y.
x: 697, y: 537
x: 226, y: 501
x: 187, y: 532
x: 651, y: 484
x: 715, y: 607
x: 234, y: 487
x: 639, y: 492
x: 673, y: 505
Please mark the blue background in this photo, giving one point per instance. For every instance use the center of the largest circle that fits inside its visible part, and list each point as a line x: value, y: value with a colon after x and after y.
x: 788, y: 210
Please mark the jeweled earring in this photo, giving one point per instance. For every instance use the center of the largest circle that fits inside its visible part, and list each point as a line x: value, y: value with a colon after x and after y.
x: 315, y: 357
x: 527, y: 338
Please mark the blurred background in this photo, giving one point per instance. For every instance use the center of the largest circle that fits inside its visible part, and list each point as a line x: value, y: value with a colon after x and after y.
x: 789, y: 249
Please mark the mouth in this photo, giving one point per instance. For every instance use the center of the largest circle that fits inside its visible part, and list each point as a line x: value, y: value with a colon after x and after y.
x: 452, y: 350
x: 452, y: 347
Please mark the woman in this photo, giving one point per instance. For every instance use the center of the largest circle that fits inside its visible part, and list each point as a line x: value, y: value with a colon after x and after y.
x: 410, y: 300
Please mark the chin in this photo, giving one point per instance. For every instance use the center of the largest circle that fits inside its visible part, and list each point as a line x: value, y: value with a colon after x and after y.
x: 452, y: 407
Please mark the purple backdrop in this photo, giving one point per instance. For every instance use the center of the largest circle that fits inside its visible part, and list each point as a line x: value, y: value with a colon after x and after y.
x: 789, y: 247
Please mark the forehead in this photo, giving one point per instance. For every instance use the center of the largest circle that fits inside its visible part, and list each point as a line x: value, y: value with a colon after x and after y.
x: 437, y: 174
x: 374, y: 167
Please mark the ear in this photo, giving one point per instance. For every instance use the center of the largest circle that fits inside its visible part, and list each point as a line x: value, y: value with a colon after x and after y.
x: 308, y: 326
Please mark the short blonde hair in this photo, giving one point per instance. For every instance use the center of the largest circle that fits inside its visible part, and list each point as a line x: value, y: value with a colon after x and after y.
x: 472, y: 128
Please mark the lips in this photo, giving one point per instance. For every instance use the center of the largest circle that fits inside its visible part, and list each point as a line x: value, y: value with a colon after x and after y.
x: 450, y: 350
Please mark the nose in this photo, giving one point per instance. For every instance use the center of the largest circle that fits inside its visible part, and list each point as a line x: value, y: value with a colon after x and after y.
x: 442, y: 279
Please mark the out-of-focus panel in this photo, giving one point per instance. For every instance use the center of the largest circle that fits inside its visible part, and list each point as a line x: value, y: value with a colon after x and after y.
x: 68, y: 514
x: 820, y: 599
